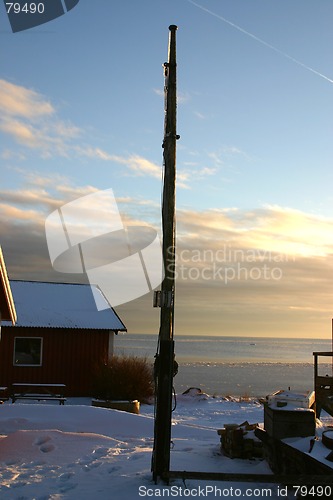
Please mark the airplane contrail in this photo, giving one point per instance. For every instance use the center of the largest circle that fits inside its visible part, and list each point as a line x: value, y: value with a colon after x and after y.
x: 284, y: 54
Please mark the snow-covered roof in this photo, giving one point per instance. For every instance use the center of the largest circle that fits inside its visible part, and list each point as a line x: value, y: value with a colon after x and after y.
x: 61, y: 305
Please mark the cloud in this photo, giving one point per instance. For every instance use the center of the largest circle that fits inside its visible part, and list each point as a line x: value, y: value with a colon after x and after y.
x: 140, y: 166
x: 199, y: 115
x: 206, y: 171
x: 272, y: 228
x: 18, y: 101
x: 26, y: 208
x: 33, y: 122
x: 159, y: 92
x: 22, y: 133
x: 224, y: 162
x: 7, y: 154
x: 265, y: 271
x: 94, y: 153
x: 19, y: 215
x: 49, y: 139
x: 182, y: 97
x: 225, y: 153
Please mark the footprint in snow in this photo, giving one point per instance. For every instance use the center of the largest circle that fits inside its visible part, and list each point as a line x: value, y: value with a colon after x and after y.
x: 13, y: 462
x: 42, y: 440
x: 113, y: 469
x: 44, y: 444
x: 65, y: 476
x: 18, y: 484
x: 67, y: 487
x: 102, y: 450
x: 92, y: 465
x: 18, y: 421
x: 38, y: 463
x: 134, y: 456
x: 46, y: 448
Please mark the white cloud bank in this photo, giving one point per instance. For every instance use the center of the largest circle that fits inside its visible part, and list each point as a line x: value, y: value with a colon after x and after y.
x: 267, y: 271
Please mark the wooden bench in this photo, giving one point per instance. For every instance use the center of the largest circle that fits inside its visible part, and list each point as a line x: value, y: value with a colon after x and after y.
x: 3, y: 394
x: 39, y: 397
x: 46, y: 392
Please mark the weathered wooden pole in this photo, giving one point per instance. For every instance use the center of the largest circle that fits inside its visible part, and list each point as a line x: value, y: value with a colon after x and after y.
x: 164, y: 364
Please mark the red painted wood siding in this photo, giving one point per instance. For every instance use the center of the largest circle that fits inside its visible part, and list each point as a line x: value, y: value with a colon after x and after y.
x: 70, y: 356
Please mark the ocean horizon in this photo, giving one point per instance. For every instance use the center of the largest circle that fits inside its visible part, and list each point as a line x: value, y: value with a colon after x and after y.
x: 236, y: 366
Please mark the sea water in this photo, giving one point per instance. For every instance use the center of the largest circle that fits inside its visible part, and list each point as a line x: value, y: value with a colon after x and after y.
x: 236, y: 366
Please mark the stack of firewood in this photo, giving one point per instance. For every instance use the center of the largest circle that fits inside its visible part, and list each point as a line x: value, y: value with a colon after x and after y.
x: 239, y: 441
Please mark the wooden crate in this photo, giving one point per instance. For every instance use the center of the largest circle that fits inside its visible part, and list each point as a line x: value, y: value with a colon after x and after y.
x: 280, y: 423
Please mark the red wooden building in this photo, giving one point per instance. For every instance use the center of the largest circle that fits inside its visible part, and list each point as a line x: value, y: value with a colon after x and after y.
x: 60, y: 336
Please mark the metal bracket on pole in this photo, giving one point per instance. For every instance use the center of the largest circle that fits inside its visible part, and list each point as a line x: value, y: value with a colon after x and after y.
x: 163, y: 299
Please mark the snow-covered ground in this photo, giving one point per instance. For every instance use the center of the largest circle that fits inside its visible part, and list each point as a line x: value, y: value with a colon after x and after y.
x: 76, y: 451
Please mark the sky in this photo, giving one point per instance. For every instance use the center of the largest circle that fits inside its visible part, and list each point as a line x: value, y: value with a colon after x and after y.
x: 82, y: 110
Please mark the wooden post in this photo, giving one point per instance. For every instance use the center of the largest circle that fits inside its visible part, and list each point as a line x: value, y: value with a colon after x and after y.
x: 165, y: 358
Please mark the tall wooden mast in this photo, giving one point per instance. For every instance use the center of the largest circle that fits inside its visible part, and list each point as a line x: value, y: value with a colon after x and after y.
x: 164, y: 364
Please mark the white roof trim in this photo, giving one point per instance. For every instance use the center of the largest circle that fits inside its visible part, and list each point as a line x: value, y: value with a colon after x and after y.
x: 7, y: 306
